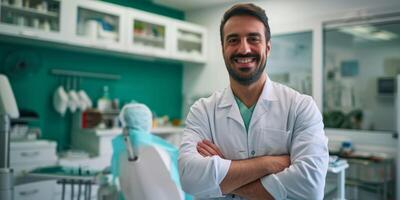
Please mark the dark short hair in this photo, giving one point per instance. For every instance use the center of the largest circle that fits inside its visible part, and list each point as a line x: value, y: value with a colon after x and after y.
x: 245, y: 9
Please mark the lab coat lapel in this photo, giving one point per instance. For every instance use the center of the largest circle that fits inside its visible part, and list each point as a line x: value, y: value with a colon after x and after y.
x: 229, y: 104
x: 267, y: 96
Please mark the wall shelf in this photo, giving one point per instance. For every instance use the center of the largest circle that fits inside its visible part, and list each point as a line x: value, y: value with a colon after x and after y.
x: 30, y: 11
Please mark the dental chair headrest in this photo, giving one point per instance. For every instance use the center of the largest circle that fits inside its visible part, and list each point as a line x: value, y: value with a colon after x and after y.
x: 136, y: 116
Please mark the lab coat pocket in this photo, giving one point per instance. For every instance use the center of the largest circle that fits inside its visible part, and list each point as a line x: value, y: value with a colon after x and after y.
x: 272, y: 141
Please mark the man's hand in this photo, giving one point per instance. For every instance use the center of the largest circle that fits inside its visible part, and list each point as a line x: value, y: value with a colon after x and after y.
x: 252, y: 188
x: 279, y: 163
x: 207, y: 148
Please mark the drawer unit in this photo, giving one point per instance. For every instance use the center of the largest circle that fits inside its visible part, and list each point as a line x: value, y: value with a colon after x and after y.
x: 28, y: 155
x: 43, y: 190
x: 32, y: 155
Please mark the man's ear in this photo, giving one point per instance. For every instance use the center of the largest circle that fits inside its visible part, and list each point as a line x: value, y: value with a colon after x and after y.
x: 268, y: 48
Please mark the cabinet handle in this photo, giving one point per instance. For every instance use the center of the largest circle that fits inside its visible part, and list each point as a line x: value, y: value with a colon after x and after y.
x: 30, y: 154
x: 29, y: 193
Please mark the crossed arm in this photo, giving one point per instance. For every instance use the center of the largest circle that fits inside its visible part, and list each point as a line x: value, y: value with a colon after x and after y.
x: 243, y: 177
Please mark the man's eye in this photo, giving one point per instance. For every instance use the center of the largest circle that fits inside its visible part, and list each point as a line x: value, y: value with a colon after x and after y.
x: 232, y: 40
x: 254, y: 39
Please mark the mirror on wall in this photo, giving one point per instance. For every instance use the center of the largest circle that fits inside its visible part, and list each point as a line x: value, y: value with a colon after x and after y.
x: 361, y: 61
x: 290, y: 61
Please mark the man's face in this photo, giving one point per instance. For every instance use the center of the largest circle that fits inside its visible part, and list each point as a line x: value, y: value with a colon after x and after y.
x: 245, y: 48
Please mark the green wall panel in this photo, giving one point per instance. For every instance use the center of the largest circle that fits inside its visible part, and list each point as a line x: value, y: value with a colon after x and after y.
x: 157, y: 84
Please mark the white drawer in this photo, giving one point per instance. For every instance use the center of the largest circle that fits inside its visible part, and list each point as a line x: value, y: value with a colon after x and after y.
x: 43, y: 190
x: 32, y: 155
x: 32, y: 151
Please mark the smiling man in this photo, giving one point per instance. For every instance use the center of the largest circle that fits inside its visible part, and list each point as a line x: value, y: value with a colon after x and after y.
x: 256, y: 139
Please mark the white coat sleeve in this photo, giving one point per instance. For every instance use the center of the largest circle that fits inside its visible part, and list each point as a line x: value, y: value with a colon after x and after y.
x: 305, y: 178
x: 200, y: 176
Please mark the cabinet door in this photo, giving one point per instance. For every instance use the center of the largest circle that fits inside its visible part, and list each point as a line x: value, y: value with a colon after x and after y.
x: 95, y: 24
x: 34, y: 19
x: 148, y: 34
x: 190, y: 42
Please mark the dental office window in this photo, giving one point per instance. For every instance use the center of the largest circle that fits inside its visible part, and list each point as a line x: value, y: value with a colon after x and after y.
x: 290, y: 61
x: 361, y: 62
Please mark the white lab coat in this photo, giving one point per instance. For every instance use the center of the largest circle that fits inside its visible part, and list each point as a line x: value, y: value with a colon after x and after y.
x: 283, y: 122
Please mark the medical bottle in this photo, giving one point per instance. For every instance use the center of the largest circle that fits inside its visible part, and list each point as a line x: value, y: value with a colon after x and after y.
x: 104, y: 103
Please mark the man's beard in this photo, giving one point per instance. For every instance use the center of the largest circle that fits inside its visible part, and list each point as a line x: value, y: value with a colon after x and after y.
x: 255, y: 76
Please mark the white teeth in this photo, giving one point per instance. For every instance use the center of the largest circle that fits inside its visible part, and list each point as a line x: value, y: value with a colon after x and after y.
x: 244, y: 60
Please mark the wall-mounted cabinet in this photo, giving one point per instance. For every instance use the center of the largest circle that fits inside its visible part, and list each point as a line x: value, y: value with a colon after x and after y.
x: 103, y: 26
x: 148, y: 34
x: 95, y: 24
x: 189, y: 42
x: 39, y: 19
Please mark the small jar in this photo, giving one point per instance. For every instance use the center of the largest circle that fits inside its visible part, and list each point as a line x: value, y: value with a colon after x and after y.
x: 347, y: 148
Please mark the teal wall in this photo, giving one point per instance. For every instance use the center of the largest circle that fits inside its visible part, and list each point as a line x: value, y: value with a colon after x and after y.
x: 148, y: 6
x: 155, y: 83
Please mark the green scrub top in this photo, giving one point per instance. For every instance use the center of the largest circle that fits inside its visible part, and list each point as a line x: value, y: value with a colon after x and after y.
x: 245, y: 112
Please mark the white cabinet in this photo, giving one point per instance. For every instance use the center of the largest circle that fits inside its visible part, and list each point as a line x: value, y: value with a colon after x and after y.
x: 28, y: 155
x: 189, y: 42
x: 148, y: 34
x: 102, y: 26
x: 33, y: 19
x: 95, y: 24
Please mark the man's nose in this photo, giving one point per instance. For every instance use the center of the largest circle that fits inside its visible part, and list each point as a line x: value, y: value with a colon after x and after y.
x: 244, y: 47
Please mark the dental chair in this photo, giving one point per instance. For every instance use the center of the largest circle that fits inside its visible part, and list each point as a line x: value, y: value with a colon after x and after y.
x: 141, y: 161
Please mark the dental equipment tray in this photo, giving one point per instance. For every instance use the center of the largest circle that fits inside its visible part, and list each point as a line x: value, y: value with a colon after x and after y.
x: 72, y: 176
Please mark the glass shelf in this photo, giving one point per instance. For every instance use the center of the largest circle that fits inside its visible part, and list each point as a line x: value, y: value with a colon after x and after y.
x: 37, y: 14
x: 146, y: 34
x: 189, y: 43
x: 30, y: 11
x: 190, y: 37
x: 97, y: 25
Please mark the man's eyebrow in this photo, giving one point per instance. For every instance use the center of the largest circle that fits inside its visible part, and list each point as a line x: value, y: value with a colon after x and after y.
x: 254, y: 34
x: 232, y: 35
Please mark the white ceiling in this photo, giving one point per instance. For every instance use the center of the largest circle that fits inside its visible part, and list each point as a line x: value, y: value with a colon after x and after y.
x: 187, y: 5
